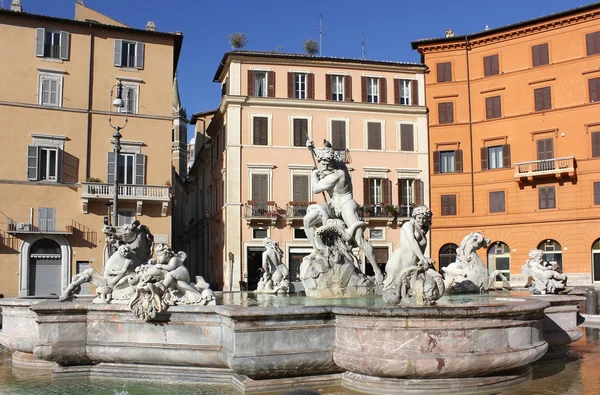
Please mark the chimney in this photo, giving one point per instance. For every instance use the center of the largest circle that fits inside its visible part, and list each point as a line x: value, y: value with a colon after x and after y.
x: 449, y: 33
x: 151, y: 26
x: 16, y: 6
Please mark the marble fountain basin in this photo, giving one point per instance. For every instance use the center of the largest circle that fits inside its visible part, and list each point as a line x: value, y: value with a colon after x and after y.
x: 264, y: 343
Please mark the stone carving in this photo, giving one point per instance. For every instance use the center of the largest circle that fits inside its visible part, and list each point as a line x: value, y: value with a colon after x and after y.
x: 468, y: 274
x: 544, y: 277
x: 276, y: 277
x: 411, y: 278
x: 148, y: 288
x: 333, y: 229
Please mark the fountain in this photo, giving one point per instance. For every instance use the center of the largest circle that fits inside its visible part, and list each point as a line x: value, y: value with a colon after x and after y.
x: 397, y: 334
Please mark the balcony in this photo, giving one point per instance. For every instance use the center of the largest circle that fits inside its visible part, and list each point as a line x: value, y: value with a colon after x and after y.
x: 295, y: 211
x: 139, y: 193
x: 21, y: 226
x: 558, y: 167
x: 262, y: 213
x: 379, y: 213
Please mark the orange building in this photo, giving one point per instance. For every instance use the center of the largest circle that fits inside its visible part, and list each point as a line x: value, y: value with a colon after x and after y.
x: 514, y: 123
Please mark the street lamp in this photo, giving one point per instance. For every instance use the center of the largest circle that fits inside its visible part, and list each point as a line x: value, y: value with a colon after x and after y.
x: 118, y: 103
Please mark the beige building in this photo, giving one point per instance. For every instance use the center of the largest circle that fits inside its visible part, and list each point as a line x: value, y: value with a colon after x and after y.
x: 251, y: 179
x: 57, y: 158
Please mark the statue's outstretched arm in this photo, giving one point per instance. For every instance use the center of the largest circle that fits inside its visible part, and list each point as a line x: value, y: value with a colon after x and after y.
x: 325, y: 184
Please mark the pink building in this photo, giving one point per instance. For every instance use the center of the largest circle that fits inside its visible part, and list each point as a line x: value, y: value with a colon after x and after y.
x: 253, y: 176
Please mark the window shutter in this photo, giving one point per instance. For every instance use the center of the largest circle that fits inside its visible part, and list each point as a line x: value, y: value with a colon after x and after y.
x: 497, y: 107
x: 402, y: 199
x: 338, y: 134
x: 495, y: 64
x: 397, y: 88
x: 484, y: 158
x: 489, y: 113
x: 348, y: 88
x: 382, y: 91
x: 139, y: 55
x: 271, y: 84
x: 300, y: 188
x: 539, y: 103
x: 458, y: 161
x: 597, y: 193
x: 250, y: 82
x: 291, y: 85
x: 594, y: 89
x: 589, y: 43
x: 363, y: 83
x: 535, y: 55
x: 310, y: 86
x: 414, y: 91
x: 385, y: 191
x: 436, y: 162
x: 418, y: 185
x: 327, y: 87
x: 407, y: 137
x: 300, y: 132
x: 110, y: 174
x: 140, y: 169
x: 448, y: 71
x: 40, y: 35
x: 45, y: 99
x: 118, y: 49
x: 33, y: 153
x: 444, y: 72
x: 366, y: 192
x: 442, y: 116
x: 42, y: 217
x: 487, y: 66
x: 373, y: 135
x: 547, y: 97
x: 506, y: 155
x: 59, y: 164
x: 450, y: 112
x: 64, y: 45
x: 595, y: 144
x: 260, y: 188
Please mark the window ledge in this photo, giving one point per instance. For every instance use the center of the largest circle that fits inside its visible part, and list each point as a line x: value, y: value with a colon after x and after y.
x: 129, y: 69
x: 53, y: 71
x: 52, y: 60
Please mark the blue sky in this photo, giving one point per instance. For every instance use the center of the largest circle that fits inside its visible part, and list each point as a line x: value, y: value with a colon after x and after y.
x: 388, y: 27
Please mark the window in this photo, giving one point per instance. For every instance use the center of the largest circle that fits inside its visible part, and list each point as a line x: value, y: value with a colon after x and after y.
x: 374, y: 136
x: 43, y: 163
x: 50, y: 90
x: 47, y: 219
x: 299, y: 86
x: 260, y: 131
x: 597, y: 194
x: 300, y: 189
x: 131, y: 168
x: 407, y: 137
x: 446, y: 112
x: 594, y: 89
x: 372, y: 90
x: 493, y: 108
x: 376, y: 191
x: 552, y: 252
x: 592, y: 43
x: 299, y: 234
x: 545, y: 149
x: 260, y: 193
x: 337, y: 87
x: 547, y: 197
x: 491, y: 65
x: 300, y: 126
x: 497, y: 204
x: 260, y: 83
x: 338, y: 135
x: 129, y: 54
x: 410, y: 192
x: 447, y: 161
x: 495, y: 157
x: 405, y: 92
x: 595, y: 144
x: 376, y: 234
x: 447, y: 255
x: 259, y: 233
x: 539, y: 55
x: 130, y: 99
x: 448, y: 204
x: 543, y: 98
x: 52, y: 44
x: 444, y: 72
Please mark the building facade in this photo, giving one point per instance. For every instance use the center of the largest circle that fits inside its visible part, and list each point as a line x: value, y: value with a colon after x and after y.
x: 514, y: 140
x: 58, y: 161
x: 258, y: 166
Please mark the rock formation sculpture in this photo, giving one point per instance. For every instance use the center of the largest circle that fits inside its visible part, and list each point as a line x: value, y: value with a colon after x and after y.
x: 468, y: 274
x: 276, y: 277
x: 148, y: 288
x: 333, y: 229
x: 544, y: 277
x: 411, y: 278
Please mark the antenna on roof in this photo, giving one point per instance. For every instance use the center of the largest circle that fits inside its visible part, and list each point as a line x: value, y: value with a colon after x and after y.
x: 362, y: 46
x: 320, y: 30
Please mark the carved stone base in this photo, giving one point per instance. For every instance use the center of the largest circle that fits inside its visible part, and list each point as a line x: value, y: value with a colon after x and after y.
x: 27, y: 360
x: 340, y: 281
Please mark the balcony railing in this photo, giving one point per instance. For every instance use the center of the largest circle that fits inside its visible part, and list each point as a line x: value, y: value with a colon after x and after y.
x: 42, y: 226
x: 297, y: 210
x: 133, y: 192
x: 259, y: 212
x: 545, y: 167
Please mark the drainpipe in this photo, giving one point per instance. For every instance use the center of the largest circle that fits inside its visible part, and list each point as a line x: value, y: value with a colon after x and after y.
x: 430, y: 243
x: 88, y: 138
x: 470, y: 125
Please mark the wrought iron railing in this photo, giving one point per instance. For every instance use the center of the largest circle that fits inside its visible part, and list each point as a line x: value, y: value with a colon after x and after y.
x: 16, y: 225
x: 139, y: 192
x: 545, y: 166
x: 296, y: 210
x: 261, y: 210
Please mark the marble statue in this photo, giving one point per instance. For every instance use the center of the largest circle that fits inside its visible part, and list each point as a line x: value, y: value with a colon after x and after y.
x: 468, y: 274
x: 150, y: 286
x: 276, y: 277
x: 545, y: 277
x: 333, y: 229
x: 410, y: 275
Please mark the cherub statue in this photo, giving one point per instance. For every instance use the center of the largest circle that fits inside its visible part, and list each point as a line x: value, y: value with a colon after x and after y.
x: 547, y: 278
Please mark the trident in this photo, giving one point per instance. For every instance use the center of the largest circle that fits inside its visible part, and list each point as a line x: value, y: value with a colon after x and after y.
x: 311, y: 148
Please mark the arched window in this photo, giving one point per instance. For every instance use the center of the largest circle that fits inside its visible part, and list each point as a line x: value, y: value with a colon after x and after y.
x: 552, y: 251
x: 44, y: 268
x: 499, y: 259
x: 447, y: 255
x: 596, y: 261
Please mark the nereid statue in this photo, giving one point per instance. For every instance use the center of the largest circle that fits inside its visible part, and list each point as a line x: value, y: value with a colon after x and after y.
x: 411, y: 278
x: 148, y: 288
x: 545, y: 277
x: 468, y: 274
x: 276, y: 277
